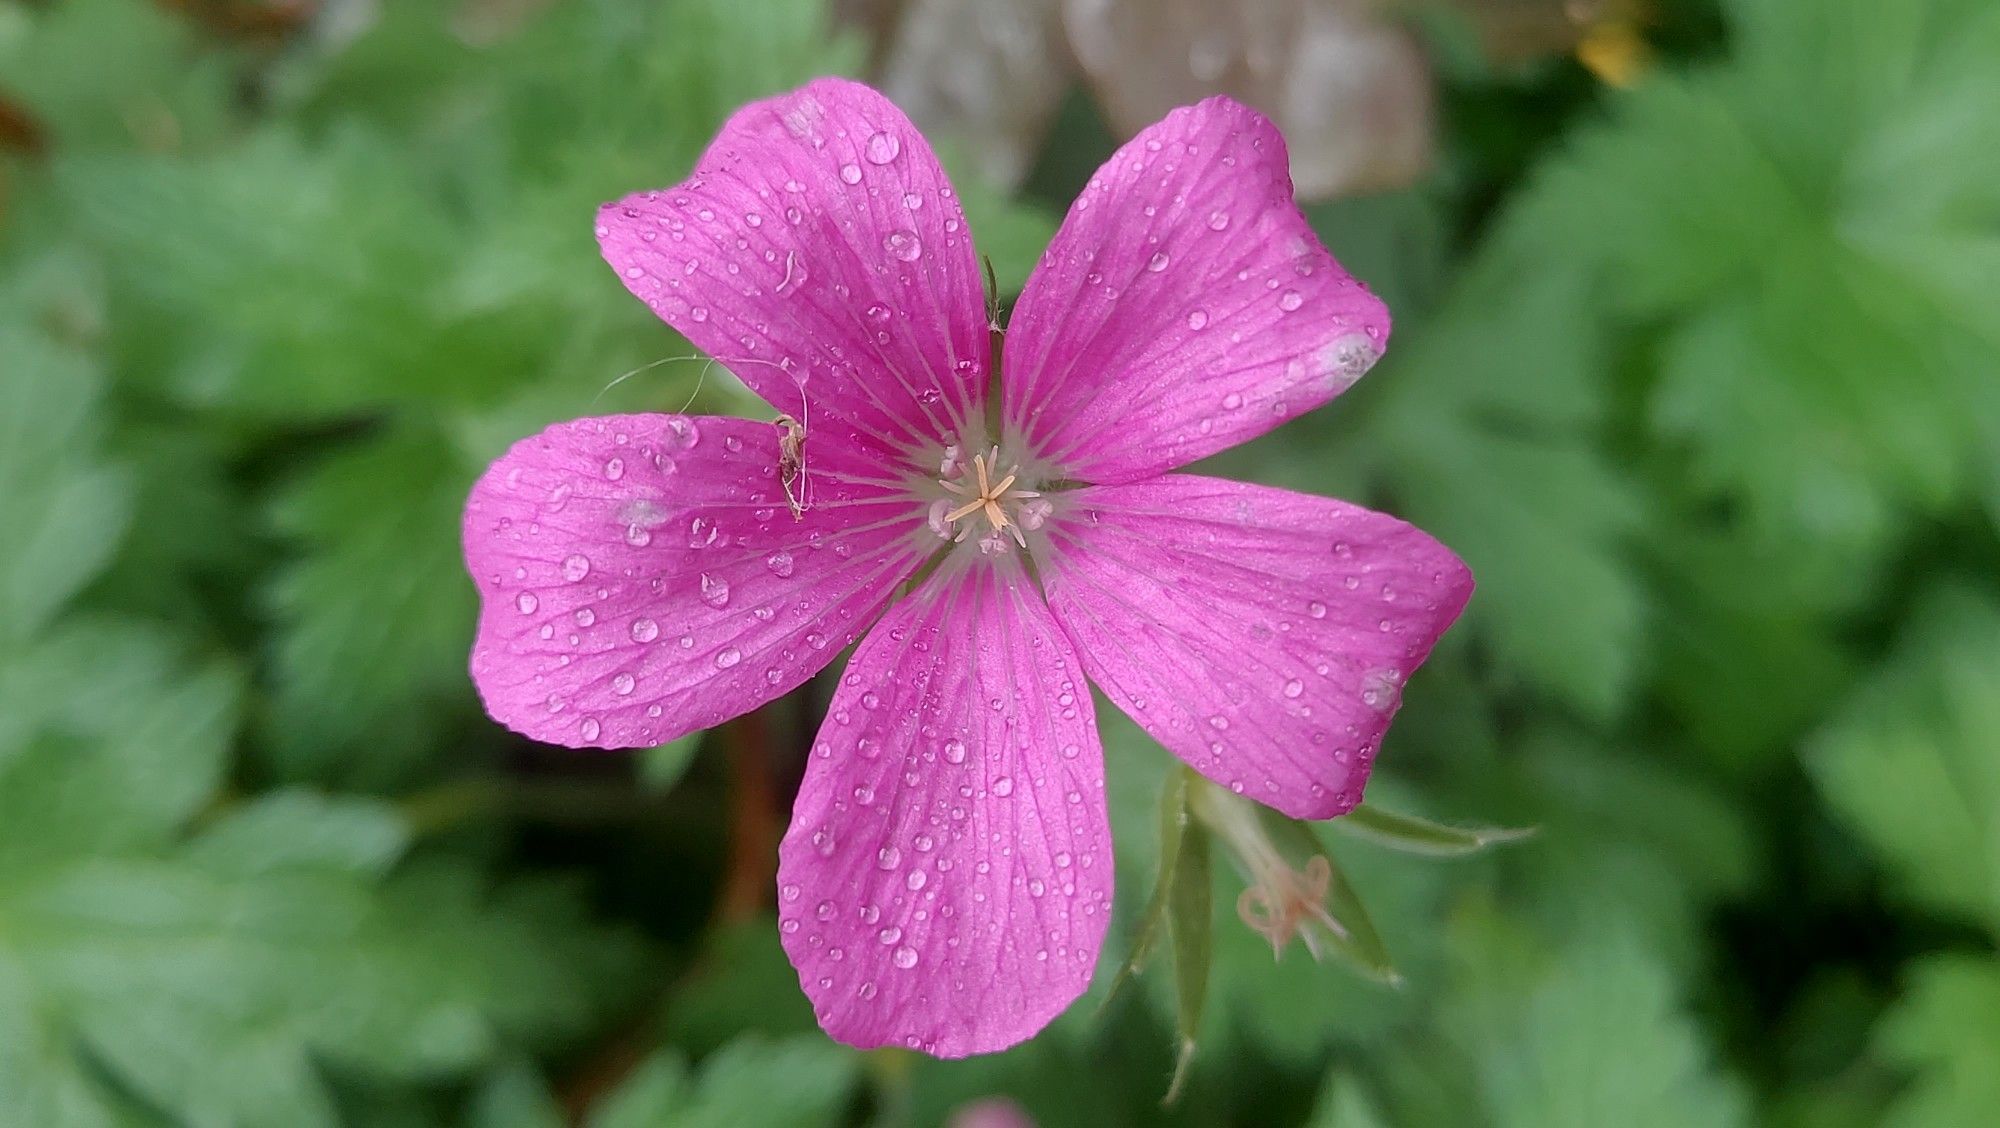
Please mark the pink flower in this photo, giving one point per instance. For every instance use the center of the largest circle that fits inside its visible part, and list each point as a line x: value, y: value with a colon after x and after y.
x: 946, y: 881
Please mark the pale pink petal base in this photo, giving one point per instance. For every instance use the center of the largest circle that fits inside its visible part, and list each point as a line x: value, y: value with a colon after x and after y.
x: 642, y: 577
x: 946, y: 881
x: 1184, y: 307
x: 1263, y: 636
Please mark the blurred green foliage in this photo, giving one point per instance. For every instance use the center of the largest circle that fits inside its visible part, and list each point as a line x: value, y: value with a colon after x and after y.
x: 1702, y: 378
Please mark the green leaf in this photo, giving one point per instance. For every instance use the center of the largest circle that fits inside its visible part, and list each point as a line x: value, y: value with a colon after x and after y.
x: 116, y: 73
x: 803, y: 1082
x: 1487, y: 418
x: 514, y: 1096
x: 1909, y: 763
x: 1413, y: 835
x: 375, y: 616
x: 1946, y: 1028
x: 110, y: 739
x: 1586, y: 1035
x: 291, y: 829
x: 742, y: 982
x: 64, y: 510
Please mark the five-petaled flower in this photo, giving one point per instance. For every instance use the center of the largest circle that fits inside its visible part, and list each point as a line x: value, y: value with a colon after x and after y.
x: 995, y: 542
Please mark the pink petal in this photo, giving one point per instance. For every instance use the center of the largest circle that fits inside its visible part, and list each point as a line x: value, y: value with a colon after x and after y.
x: 947, y: 877
x: 1263, y: 636
x: 642, y: 576
x: 1184, y: 307
x: 819, y: 252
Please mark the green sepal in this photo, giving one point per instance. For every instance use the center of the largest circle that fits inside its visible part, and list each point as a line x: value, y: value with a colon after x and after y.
x: 1190, y: 927
x: 1410, y: 834
x: 1174, y: 821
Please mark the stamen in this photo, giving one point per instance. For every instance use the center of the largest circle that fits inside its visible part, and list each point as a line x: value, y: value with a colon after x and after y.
x: 991, y: 495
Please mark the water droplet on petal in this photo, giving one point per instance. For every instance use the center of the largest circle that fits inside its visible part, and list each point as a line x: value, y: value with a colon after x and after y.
x: 714, y: 590
x: 1003, y: 787
x: 850, y: 173
x: 622, y: 685
x: 1294, y: 687
x: 590, y: 728
x: 905, y: 957
x: 645, y: 630
x: 882, y: 148
x: 903, y: 244
x: 780, y: 563
x: 1291, y: 300
x: 575, y: 567
x: 887, y: 857
x: 1158, y: 262
x: 1197, y: 319
x: 724, y: 659
x: 954, y: 751
x: 527, y: 602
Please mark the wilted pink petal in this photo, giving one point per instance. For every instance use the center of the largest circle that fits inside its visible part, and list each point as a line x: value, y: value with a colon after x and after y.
x: 946, y: 881
x: 819, y: 252
x: 1184, y: 307
x: 990, y: 1112
x: 990, y: 74
x: 642, y: 577
x: 1350, y: 88
x: 1263, y: 636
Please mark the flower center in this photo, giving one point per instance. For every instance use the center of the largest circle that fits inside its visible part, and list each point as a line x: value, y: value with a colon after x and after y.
x: 985, y: 502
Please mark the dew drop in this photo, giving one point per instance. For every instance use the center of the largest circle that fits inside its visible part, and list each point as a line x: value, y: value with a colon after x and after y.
x: 905, y: 957
x: 575, y: 567
x: 590, y: 728
x: 724, y: 659
x: 1316, y: 609
x: 645, y: 630
x: 903, y: 244
x: 714, y: 590
x: 954, y: 751
x: 1158, y: 262
x: 779, y: 562
x: 527, y: 602
x: 1197, y: 319
x: 622, y: 685
x: 1217, y: 221
x: 1003, y: 787
x: 1291, y: 300
x: 1294, y: 687
x: 888, y: 857
x: 882, y: 148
